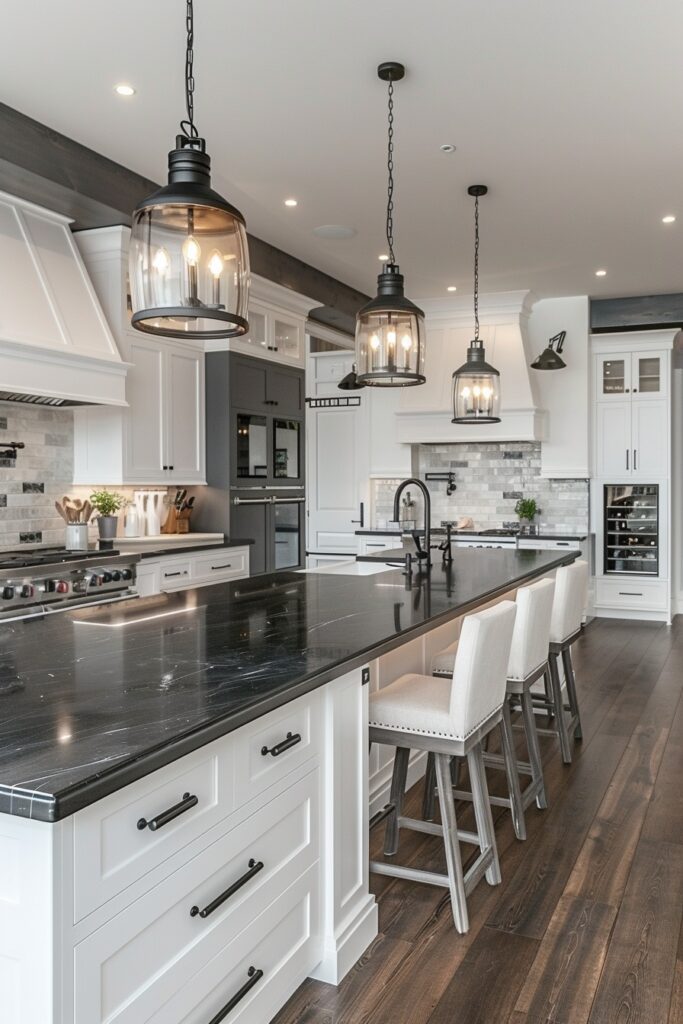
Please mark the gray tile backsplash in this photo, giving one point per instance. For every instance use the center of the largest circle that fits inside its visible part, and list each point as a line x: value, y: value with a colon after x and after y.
x: 40, y: 474
x: 489, y: 479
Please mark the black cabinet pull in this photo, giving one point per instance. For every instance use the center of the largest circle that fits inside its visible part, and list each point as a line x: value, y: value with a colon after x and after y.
x: 228, y: 565
x: 162, y: 819
x: 169, y: 575
x: 279, y: 748
x: 164, y: 467
x: 254, y: 868
x: 362, y: 516
x: 254, y: 977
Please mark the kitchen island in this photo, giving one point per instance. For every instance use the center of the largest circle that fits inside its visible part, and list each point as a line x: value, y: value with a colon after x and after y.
x: 154, y: 753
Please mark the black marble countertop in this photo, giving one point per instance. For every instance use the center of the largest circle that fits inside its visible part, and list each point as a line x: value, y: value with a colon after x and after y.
x: 93, y: 699
x: 439, y: 531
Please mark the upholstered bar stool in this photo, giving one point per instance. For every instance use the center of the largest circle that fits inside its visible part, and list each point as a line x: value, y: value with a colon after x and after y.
x: 571, y: 588
x: 528, y: 663
x: 449, y: 718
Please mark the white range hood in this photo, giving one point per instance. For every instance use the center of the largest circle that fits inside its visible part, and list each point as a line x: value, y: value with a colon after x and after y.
x: 425, y: 412
x: 56, y: 347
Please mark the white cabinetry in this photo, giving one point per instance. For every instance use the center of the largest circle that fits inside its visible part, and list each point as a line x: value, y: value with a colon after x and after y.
x: 255, y: 877
x: 277, y: 325
x: 159, y: 438
x: 632, y: 457
x: 178, y: 572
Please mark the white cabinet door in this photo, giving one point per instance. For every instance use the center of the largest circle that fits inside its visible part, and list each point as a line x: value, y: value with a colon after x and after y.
x: 649, y: 376
x: 613, y: 376
x: 338, y: 478
x: 650, y: 439
x: 184, y: 415
x: 145, y: 459
x: 613, y: 455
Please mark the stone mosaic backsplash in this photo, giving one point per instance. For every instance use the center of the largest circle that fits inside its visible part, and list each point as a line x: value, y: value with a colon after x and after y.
x: 489, y: 479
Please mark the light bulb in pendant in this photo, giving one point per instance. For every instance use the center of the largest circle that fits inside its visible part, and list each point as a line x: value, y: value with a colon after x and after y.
x: 191, y: 251
x: 476, y: 391
x: 161, y: 262
x: 216, y: 263
x: 487, y: 392
x: 391, y: 338
x: 465, y: 392
x: 407, y: 342
x: 374, y: 342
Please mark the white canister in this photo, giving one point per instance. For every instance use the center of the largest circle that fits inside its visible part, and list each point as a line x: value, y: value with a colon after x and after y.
x: 77, y: 537
x: 132, y: 524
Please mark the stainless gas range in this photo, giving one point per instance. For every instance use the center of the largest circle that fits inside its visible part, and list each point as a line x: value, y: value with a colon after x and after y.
x: 42, y: 580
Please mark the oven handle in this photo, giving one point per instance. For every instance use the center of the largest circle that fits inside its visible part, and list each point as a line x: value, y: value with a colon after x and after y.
x: 277, y: 501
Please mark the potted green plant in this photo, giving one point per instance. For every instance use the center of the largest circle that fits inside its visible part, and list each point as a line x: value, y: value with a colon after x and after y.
x: 107, y: 504
x: 526, y: 510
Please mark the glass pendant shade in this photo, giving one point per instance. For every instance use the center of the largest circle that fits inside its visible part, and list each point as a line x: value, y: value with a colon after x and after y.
x: 188, y: 258
x: 476, y: 389
x: 390, y: 336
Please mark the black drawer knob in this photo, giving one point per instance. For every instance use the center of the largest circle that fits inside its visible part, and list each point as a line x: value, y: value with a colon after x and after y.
x: 290, y: 740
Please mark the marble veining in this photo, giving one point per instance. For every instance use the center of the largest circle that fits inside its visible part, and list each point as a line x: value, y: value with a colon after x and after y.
x: 93, y: 699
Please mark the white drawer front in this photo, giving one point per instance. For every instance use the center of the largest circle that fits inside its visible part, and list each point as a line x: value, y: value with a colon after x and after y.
x: 632, y: 593
x: 175, y: 574
x: 112, y: 848
x: 282, y: 943
x: 158, y: 946
x: 221, y: 564
x: 528, y: 543
x: 271, y: 747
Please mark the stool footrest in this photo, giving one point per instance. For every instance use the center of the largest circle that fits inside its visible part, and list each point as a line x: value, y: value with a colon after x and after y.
x: 477, y: 870
x: 433, y: 829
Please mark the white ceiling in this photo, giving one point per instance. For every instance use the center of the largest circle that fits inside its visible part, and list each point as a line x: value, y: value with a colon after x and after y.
x: 571, y: 112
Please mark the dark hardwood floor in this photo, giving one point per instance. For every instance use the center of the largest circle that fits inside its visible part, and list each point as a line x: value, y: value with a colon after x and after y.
x: 586, y: 927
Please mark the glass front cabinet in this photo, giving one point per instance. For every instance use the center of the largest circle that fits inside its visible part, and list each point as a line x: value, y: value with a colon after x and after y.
x: 640, y: 376
x: 631, y: 529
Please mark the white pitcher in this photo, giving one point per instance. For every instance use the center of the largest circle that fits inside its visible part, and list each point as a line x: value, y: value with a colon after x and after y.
x: 155, y: 507
x: 139, y: 497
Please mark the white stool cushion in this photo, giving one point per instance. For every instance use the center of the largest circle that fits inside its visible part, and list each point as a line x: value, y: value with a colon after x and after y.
x: 414, y: 703
x: 571, y: 589
x: 531, y: 634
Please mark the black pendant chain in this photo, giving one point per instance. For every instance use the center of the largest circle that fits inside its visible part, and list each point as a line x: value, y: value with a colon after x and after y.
x: 390, y: 174
x: 476, y: 268
x: 187, y: 124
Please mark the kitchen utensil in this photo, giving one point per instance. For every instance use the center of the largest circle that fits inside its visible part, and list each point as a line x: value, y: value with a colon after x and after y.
x: 87, y: 512
x: 62, y: 511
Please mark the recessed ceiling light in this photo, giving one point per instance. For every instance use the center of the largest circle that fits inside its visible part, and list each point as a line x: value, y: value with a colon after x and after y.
x: 335, y: 231
x: 123, y: 89
x: 291, y: 202
x: 447, y: 147
x: 452, y: 288
x: 669, y: 219
x: 383, y: 257
x: 600, y: 273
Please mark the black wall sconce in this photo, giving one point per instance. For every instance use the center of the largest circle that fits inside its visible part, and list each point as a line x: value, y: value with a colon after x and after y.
x: 549, y: 358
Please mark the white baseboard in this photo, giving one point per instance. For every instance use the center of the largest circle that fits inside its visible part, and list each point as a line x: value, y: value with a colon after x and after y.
x: 626, y: 613
x: 349, y: 945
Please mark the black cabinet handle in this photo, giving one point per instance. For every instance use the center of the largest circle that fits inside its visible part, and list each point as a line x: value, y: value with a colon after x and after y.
x: 171, y: 467
x: 228, y: 565
x: 254, y: 868
x: 162, y: 819
x: 361, y: 521
x: 169, y: 575
x: 254, y: 977
x: 164, y: 467
x: 279, y: 748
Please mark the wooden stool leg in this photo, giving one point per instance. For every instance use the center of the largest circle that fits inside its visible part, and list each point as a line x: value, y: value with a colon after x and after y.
x: 571, y: 690
x: 398, y: 788
x: 533, y: 748
x: 451, y: 843
x: 482, y: 811
x: 510, y: 759
x: 561, y: 724
x: 430, y: 786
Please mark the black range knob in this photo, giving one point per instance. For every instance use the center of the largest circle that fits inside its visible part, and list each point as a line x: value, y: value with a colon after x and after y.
x: 7, y: 593
x: 116, y: 576
x: 27, y: 590
x: 107, y: 577
x: 126, y: 574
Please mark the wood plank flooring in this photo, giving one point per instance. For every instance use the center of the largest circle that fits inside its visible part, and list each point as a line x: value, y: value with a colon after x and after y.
x: 587, y: 926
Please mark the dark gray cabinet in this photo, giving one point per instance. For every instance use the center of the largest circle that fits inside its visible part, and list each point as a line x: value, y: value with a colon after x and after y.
x: 275, y: 523
x: 257, y: 385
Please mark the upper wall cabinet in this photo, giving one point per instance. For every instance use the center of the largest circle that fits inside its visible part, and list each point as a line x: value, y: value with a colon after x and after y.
x: 159, y: 438
x: 638, y: 376
x: 277, y: 325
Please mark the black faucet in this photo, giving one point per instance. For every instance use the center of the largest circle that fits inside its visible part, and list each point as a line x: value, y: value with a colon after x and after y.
x: 414, y: 482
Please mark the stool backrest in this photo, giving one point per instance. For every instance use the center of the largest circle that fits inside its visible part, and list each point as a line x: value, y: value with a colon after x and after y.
x: 571, y: 590
x: 480, y: 672
x: 531, y: 634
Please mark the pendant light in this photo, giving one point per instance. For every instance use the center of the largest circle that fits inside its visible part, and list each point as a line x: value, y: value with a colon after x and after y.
x: 350, y: 382
x: 476, y: 384
x: 390, y: 337
x: 549, y: 358
x: 189, y: 260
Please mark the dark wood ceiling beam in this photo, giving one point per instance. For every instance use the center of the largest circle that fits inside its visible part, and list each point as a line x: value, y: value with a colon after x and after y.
x: 45, y: 167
